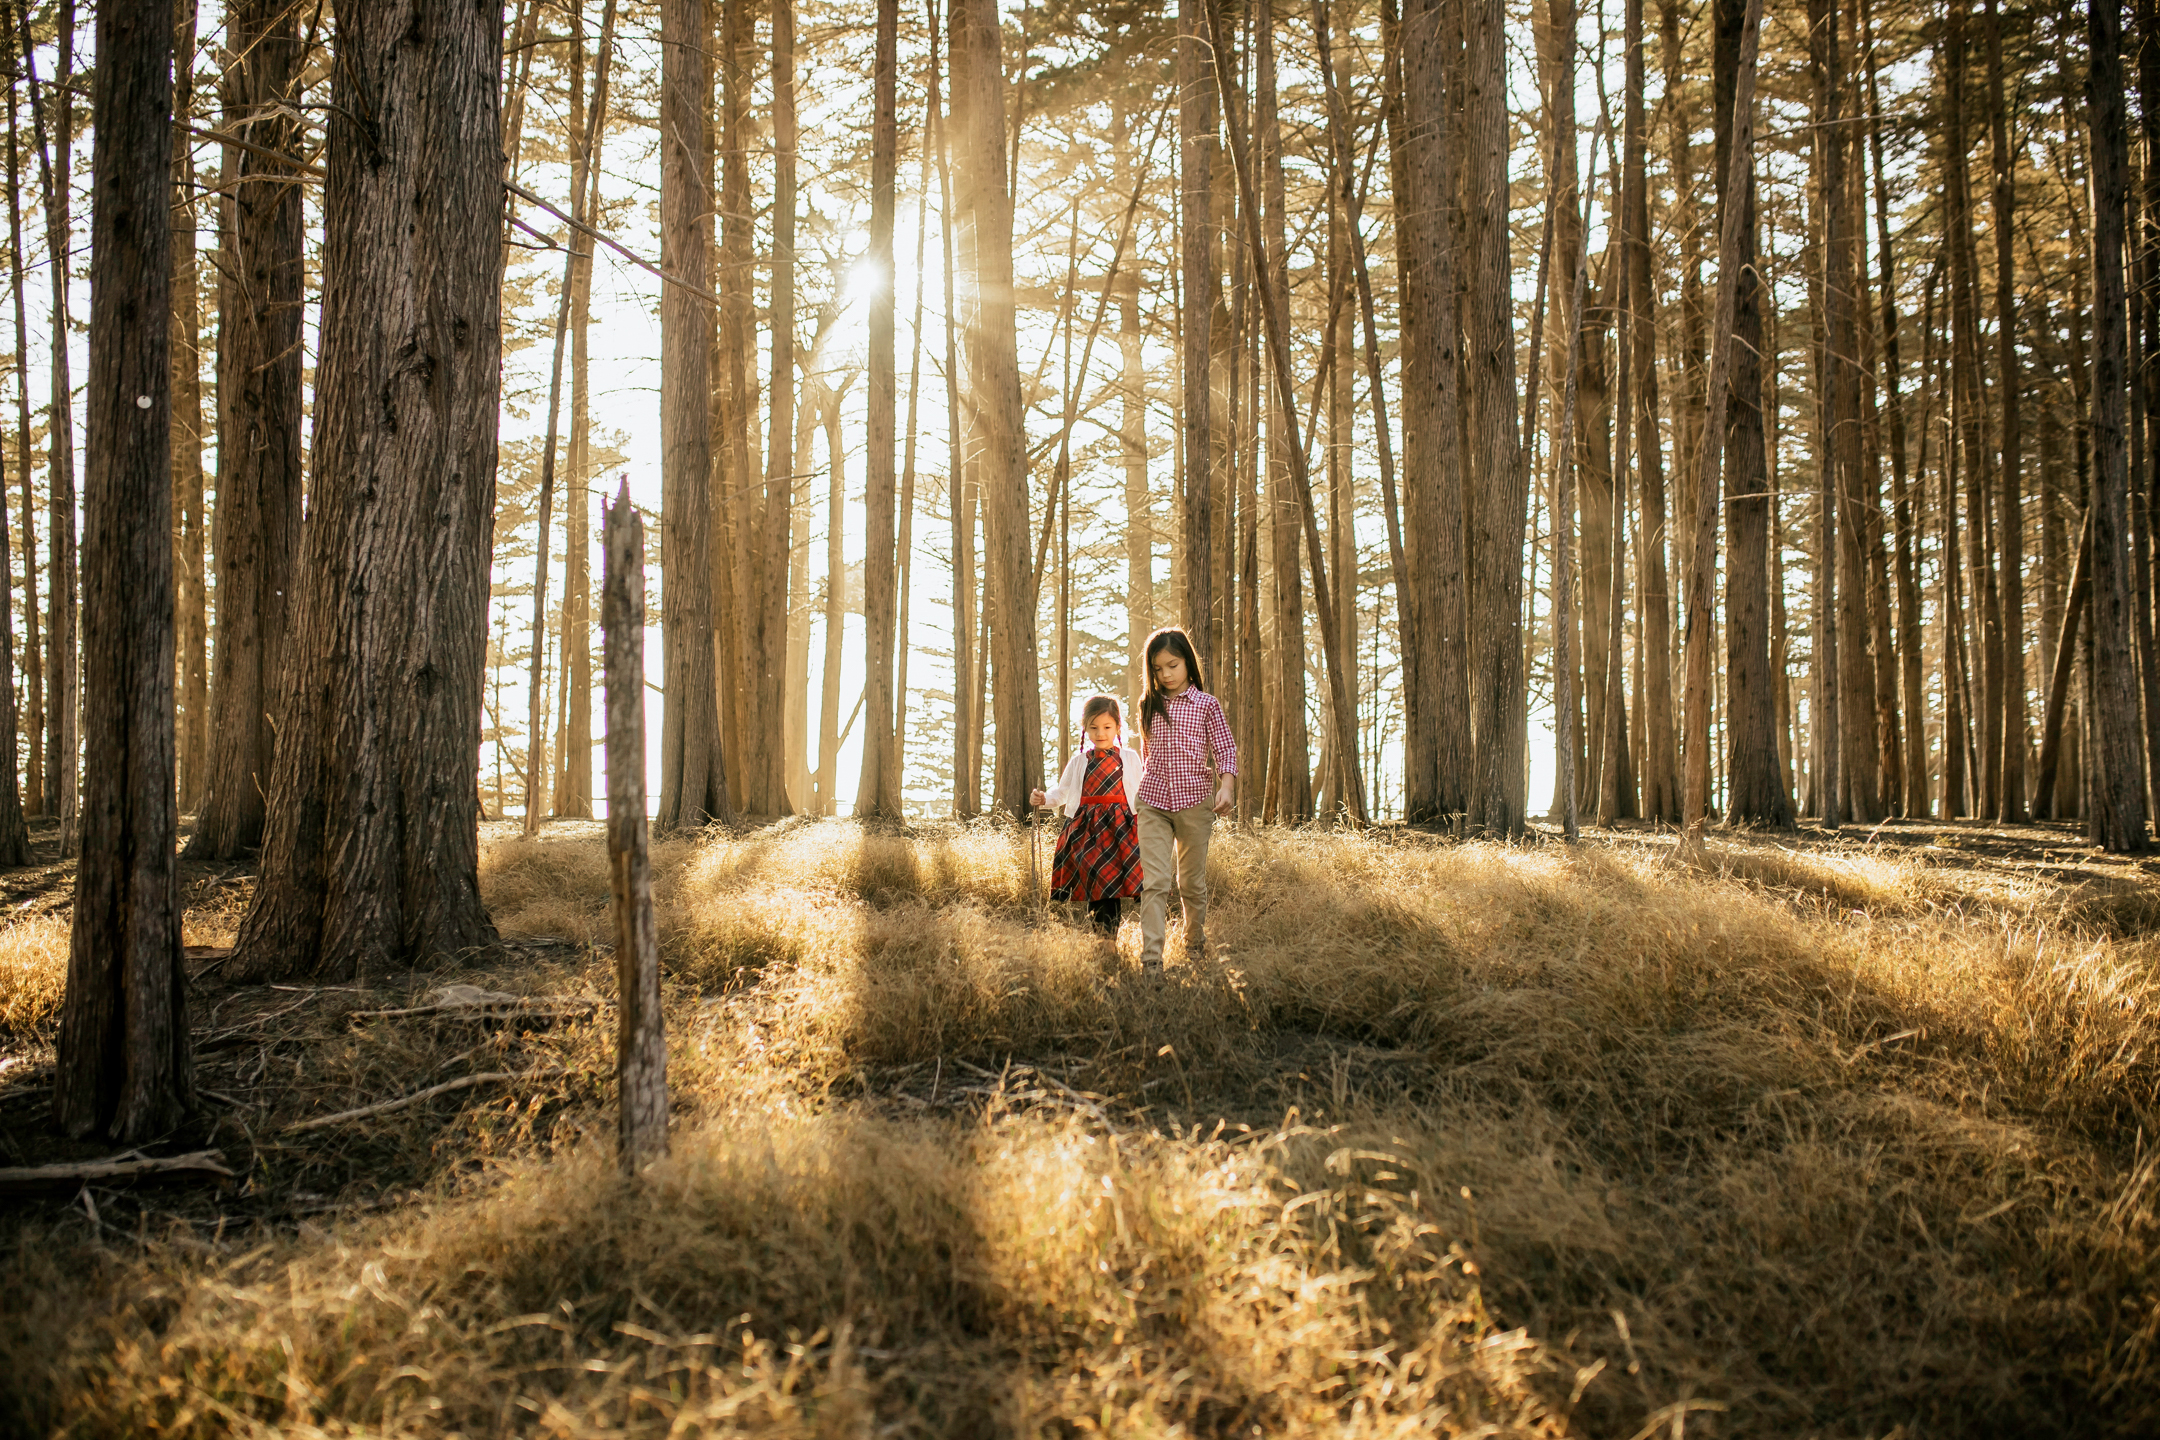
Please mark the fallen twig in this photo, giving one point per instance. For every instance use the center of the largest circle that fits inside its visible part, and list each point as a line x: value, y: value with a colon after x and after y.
x: 118, y: 1169
x: 471, y: 1000
x: 463, y: 1082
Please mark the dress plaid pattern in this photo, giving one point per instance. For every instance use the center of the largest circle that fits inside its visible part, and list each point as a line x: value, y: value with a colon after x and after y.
x: 1098, y: 851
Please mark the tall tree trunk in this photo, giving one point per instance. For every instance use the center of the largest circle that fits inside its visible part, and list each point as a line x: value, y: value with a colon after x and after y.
x: 2119, y: 788
x: 835, y: 604
x: 1909, y: 644
x: 1686, y: 221
x: 260, y: 470
x: 193, y: 679
x: 61, y: 696
x: 738, y: 494
x: 898, y: 744
x: 1196, y: 243
x: 1971, y: 406
x: 33, y: 717
x: 2017, y: 718
x: 877, y: 791
x: 1290, y: 796
x: 574, y: 773
x: 766, y: 610
x: 1132, y: 420
x: 994, y: 383
x: 125, y: 1070
x: 693, y: 777
x: 1660, y: 765
x: 1756, y: 789
x: 1437, y: 745
x: 960, y: 500
x: 1499, y: 793
x: 370, y: 858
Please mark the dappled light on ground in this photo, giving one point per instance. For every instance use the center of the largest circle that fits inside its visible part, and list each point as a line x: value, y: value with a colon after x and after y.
x: 1804, y: 1137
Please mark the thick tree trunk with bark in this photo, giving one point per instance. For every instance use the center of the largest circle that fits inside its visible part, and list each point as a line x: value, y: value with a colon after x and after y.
x: 1436, y: 660
x: 1756, y: 792
x: 260, y: 471
x: 738, y: 488
x: 370, y: 858
x: 124, y: 1062
x: 693, y: 777
x: 2118, y: 788
x: 1660, y: 758
x: 1499, y: 788
x: 993, y: 379
x: 877, y: 790
x: 765, y: 642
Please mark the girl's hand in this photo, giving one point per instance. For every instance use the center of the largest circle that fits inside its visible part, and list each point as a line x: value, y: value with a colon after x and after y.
x: 1036, y: 797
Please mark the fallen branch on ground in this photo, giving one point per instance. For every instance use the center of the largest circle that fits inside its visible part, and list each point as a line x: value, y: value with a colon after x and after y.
x: 115, y: 1170
x: 463, y: 1082
x: 471, y: 1000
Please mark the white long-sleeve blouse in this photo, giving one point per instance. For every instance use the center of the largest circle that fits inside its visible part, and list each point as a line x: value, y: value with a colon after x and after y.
x: 1065, y: 795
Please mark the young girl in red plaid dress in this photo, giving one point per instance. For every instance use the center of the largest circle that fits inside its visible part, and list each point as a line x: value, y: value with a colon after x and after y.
x: 1098, y: 851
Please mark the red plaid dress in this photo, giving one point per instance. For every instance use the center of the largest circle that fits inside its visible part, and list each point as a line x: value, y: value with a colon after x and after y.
x: 1098, y: 851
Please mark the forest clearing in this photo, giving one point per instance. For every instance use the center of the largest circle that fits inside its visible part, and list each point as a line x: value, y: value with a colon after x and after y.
x: 1816, y: 1137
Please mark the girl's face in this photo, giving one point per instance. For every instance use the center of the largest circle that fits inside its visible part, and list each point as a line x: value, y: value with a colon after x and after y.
x: 1102, y: 731
x: 1170, y: 670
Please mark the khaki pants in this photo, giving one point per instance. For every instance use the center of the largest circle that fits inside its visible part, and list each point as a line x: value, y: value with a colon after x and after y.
x: 1173, y: 857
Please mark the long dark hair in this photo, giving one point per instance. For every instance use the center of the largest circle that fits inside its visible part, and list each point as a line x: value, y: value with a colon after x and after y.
x: 1155, y: 701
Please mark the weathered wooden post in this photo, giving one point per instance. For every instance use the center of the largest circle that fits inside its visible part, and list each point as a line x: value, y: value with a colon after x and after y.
x: 641, y: 1036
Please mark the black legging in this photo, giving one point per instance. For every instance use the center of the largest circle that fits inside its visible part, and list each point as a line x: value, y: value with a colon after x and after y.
x: 1105, y: 914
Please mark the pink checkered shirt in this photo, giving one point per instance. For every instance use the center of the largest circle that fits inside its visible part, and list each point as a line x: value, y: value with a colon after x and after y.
x: 1179, y: 747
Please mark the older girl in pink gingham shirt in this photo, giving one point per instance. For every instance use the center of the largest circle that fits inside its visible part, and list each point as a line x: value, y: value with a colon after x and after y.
x: 1189, y: 750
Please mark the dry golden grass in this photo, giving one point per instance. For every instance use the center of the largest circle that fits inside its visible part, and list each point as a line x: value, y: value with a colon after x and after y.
x: 33, y: 975
x: 1442, y: 1139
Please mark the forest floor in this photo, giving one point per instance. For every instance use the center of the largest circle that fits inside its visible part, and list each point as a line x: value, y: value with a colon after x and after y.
x: 1816, y: 1135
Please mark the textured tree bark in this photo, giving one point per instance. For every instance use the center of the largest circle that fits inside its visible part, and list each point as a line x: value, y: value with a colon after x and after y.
x: 1661, y: 757
x: 193, y: 739
x: 1566, y: 743
x: 1976, y: 459
x: 30, y: 797
x: 2017, y: 719
x: 1736, y: 144
x: 877, y: 789
x: 33, y: 717
x: 1912, y: 676
x: 1437, y: 744
x: 993, y: 370
x: 1687, y: 223
x: 766, y: 642
x: 1757, y: 792
x: 959, y: 498
x: 260, y: 470
x: 573, y: 774
x: 641, y: 1034
x: 693, y: 775
x: 738, y: 490
x: 125, y: 1070
x: 61, y: 691
x: 2118, y: 780
x: 897, y: 746
x: 2050, y: 796
x: 1196, y: 248
x: 1289, y: 796
x: 1499, y: 794
x: 370, y: 856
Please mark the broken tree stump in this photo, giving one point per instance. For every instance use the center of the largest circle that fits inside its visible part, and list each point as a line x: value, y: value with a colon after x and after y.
x: 641, y: 1035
